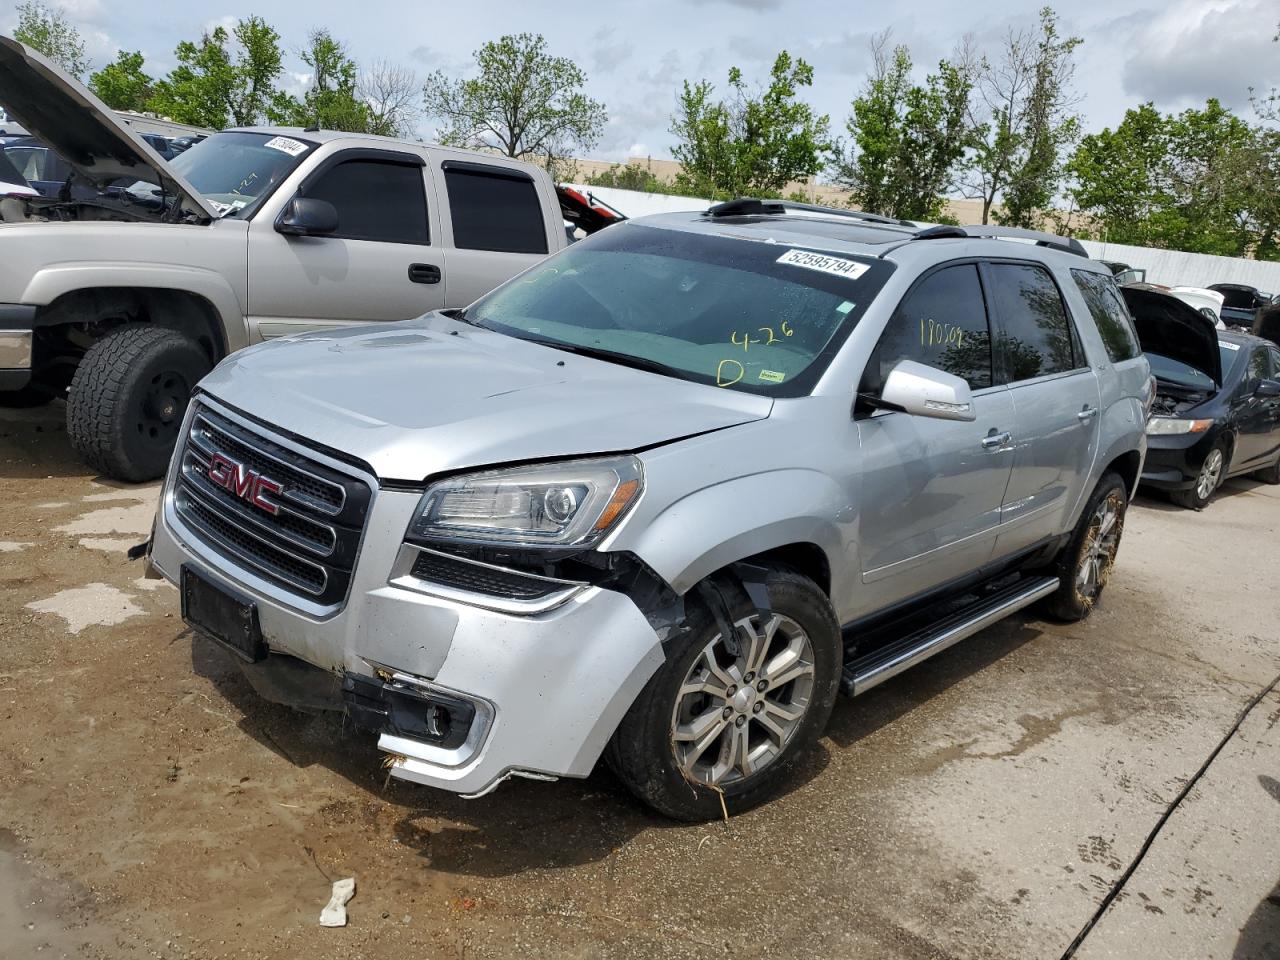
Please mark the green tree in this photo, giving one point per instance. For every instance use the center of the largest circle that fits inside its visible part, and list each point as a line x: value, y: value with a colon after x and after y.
x: 215, y: 85
x: 332, y: 103
x: 1023, y: 121
x: 907, y: 138
x: 123, y: 84
x: 49, y: 31
x: 1202, y: 180
x: 749, y: 144
x: 523, y: 103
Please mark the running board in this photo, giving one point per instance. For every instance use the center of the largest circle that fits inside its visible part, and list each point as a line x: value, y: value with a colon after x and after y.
x: 888, y: 661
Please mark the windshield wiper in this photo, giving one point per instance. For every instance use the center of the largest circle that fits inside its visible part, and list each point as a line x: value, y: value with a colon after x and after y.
x: 613, y: 356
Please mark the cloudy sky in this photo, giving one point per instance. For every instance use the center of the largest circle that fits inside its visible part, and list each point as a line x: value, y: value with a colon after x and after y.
x: 1176, y: 53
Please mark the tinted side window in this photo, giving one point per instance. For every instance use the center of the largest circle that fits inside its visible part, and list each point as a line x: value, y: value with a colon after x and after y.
x: 941, y: 322
x: 376, y: 200
x: 493, y: 212
x: 1109, y: 313
x: 1035, y: 337
x: 1275, y: 362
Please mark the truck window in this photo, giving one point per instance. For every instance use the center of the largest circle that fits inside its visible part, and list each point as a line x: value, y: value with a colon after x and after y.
x: 376, y: 200
x: 1109, y: 313
x: 1035, y: 337
x: 495, y: 212
x: 941, y: 322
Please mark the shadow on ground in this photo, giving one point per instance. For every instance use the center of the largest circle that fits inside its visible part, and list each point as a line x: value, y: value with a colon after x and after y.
x: 1260, y: 935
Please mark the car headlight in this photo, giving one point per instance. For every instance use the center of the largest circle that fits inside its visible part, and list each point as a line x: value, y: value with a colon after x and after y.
x: 1170, y: 426
x: 561, y: 504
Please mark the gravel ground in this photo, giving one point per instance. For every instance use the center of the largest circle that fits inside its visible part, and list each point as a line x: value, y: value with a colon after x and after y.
x: 981, y: 805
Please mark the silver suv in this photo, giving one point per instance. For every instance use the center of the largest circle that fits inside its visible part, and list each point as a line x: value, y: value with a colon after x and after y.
x: 662, y: 496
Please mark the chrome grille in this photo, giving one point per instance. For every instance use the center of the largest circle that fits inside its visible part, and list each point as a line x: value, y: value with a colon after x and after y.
x: 308, y: 546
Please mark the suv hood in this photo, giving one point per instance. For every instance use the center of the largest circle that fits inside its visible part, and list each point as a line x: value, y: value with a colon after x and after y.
x: 1171, y: 328
x: 426, y: 396
x: 75, y: 124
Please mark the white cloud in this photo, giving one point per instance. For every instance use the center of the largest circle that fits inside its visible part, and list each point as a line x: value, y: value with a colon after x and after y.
x: 1196, y: 49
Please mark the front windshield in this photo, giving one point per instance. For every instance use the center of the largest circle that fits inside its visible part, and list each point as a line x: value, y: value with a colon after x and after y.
x: 749, y: 315
x: 236, y: 171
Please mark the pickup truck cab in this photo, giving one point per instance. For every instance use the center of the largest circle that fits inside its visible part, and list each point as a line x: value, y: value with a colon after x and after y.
x: 663, y: 495
x: 128, y: 284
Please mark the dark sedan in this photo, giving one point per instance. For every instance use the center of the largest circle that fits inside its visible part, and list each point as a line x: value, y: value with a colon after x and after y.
x: 1212, y: 419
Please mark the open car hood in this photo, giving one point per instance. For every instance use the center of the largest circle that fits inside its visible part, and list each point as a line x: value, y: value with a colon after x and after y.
x: 1170, y: 327
x: 71, y: 121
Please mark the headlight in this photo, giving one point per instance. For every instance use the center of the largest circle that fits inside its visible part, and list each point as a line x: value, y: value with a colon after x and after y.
x: 1169, y: 426
x: 562, y: 504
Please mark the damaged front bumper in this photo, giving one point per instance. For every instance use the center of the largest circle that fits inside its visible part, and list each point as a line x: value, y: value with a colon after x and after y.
x: 462, y: 697
x: 1174, y: 462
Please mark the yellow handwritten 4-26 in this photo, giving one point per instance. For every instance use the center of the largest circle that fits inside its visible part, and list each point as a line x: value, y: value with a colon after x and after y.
x: 769, y: 336
x: 933, y: 333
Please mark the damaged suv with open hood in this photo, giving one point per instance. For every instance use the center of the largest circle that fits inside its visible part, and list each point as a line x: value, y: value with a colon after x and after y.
x: 125, y: 284
x: 663, y: 495
x: 1217, y: 408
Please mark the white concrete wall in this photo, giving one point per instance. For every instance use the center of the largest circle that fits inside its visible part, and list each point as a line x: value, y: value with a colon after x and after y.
x: 1173, y: 267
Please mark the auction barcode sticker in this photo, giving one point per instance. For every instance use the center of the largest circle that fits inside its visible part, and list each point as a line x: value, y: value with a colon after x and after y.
x: 287, y: 145
x: 851, y: 269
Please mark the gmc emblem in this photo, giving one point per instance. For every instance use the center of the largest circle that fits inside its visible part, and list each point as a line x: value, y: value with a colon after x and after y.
x: 244, y: 483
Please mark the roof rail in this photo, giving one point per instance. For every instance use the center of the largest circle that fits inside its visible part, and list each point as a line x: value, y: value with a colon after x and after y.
x: 986, y: 231
x: 750, y: 206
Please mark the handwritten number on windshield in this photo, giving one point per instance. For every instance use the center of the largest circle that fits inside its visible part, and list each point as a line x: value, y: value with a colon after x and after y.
x: 771, y: 336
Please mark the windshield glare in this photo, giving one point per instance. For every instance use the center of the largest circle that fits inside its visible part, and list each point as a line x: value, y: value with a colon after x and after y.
x: 1182, y: 375
x: 238, y: 170
x: 760, y: 317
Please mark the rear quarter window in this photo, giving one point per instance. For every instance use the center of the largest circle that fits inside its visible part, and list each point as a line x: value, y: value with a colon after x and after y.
x: 1109, y: 314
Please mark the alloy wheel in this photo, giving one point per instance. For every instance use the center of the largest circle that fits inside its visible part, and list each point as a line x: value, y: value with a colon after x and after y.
x: 742, y: 701
x: 1098, y: 554
x: 1210, y: 474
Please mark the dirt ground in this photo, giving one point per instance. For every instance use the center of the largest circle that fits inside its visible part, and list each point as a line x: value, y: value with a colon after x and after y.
x: 981, y: 805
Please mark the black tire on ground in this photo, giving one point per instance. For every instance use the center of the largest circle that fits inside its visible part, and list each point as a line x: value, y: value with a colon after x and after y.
x: 1197, y: 496
x: 1269, y: 474
x: 1084, y: 565
x: 128, y: 397
x: 32, y: 395
x: 643, y: 749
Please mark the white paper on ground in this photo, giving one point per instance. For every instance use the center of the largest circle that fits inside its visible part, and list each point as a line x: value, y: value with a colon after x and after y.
x: 335, y: 912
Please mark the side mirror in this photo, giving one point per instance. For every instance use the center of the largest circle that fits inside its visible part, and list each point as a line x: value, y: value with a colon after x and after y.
x: 1267, y: 388
x: 307, y: 217
x: 925, y: 391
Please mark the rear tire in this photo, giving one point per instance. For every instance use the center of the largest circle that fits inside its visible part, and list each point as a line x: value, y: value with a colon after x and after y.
x: 1212, y: 473
x: 128, y: 398
x: 655, y: 750
x: 1084, y: 566
x: 1269, y: 474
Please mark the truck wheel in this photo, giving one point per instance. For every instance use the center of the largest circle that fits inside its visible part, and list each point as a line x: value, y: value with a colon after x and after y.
x: 715, y: 725
x: 128, y: 398
x: 1085, y: 563
x: 1212, y: 472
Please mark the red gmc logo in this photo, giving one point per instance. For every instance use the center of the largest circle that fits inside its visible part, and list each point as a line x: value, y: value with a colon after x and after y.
x: 244, y: 483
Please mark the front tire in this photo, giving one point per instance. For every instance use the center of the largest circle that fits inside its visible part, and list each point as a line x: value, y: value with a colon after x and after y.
x: 1084, y: 566
x: 128, y: 398
x: 1212, y: 472
x: 713, y: 725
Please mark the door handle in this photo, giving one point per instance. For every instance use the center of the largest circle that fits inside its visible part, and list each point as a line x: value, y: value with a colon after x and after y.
x: 1087, y: 414
x: 424, y: 273
x: 995, y: 441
